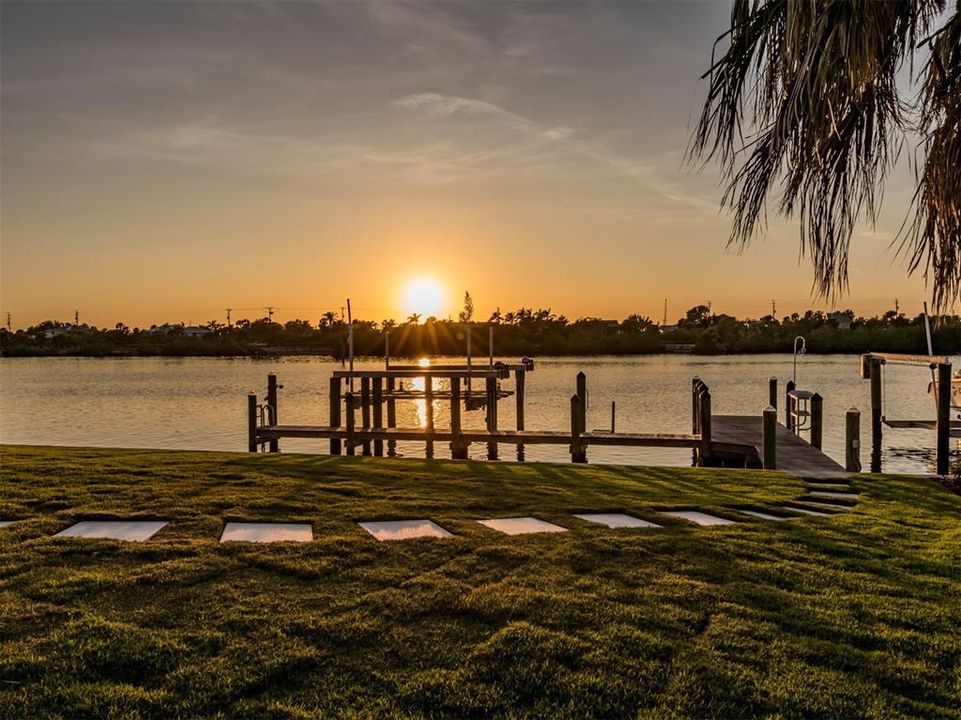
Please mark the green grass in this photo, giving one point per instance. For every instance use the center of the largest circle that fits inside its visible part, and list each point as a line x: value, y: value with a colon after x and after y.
x: 857, y: 615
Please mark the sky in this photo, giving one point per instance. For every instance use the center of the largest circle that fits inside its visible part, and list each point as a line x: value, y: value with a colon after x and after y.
x: 161, y: 162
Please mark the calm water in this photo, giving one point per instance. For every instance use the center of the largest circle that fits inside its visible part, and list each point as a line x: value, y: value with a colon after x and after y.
x: 200, y: 403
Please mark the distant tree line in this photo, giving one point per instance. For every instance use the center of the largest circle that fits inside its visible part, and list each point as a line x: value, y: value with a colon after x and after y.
x: 524, y: 331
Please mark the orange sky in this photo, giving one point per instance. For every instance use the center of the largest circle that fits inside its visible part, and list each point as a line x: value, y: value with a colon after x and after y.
x: 162, y: 162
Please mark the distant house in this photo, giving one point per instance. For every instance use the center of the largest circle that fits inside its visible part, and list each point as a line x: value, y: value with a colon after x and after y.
x: 842, y: 319
x: 667, y: 329
x: 196, y: 331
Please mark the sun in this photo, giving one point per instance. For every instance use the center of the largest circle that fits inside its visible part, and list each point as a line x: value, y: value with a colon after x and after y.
x: 424, y: 297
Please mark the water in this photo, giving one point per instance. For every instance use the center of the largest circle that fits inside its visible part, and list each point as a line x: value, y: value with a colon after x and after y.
x: 200, y: 403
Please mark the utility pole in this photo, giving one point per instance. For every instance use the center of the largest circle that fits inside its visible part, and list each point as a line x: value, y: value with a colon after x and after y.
x: 897, y: 308
x: 708, y: 307
x: 8, y: 323
x: 774, y: 310
x: 229, y: 324
x: 270, y: 313
x: 342, y: 313
x: 665, y: 312
x: 76, y: 318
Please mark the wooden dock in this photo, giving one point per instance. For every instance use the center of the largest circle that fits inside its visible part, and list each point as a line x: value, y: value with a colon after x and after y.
x: 742, y: 435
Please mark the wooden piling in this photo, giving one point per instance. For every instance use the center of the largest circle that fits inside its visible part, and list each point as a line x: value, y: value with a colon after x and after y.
x: 577, y: 452
x: 274, y: 444
x: 772, y: 392
x: 492, y: 416
x: 817, y: 420
x: 365, y: 410
x: 335, y: 383
x: 695, y: 407
x: 788, y: 408
x: 852, y: 440
x: 944, y: 419
x: 581, y: 384
x: 377, y: 401
x: 519, y: 383
x: 769, y: 441
x: 458, y: 449
x: 704, y: 423
x: 350, y: 407
x: 877, y: 414
x: 252, y: 422
x: 391, y: 416
x: 429, y: 414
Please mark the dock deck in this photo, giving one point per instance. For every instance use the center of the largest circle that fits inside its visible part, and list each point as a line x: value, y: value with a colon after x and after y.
x: 794, y: 455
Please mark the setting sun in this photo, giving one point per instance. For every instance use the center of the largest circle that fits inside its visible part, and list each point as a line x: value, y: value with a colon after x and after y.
x: 424, y: 297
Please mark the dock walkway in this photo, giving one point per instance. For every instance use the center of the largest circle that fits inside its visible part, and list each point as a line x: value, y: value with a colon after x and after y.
x: 794, y: 455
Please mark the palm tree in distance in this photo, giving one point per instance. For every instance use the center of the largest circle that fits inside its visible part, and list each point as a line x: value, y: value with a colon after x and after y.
x: 413, y: 318
x: 804, y: 103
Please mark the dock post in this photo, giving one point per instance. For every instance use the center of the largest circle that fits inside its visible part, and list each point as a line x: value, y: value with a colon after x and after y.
x: 769, y: 442
x: 491, y: 416
x: 365, y: 411
x: 788, y: 418
x: 944, y: 418
x: 852, y: 440
x: 391, y: 416
x: 458, y: 449
x: 350, y: 407
x: 704, y: 423
x: 252, y: 422
x: 429, y: 414
x: 335, y: 413
x: 577, y: 452
x: 520, y: 377
x: 582, y: 394
x: 772, y: 392
x: 877, y: 414
x: 817, y: 420
x: 613, y: 414
x: 274, y: 444
x: 378, y: 408
x: 695, y: 411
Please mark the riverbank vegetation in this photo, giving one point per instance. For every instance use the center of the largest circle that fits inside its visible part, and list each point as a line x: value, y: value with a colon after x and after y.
x: 517, y: 333
x: 855, y: 615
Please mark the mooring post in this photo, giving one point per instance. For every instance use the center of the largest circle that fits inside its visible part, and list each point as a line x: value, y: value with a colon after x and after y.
x: 769, y: 442
x: 252, y: 422
x: 492, y: 416
x: 350, y: 406
x: 335, y: 383
x: 429, y: 415
x: 704, y: 423
x: 817, y: 420
x: 378, y: 407
x: 391, y: 416
x: 788, y: 409
x: 944, y: 418
x: 577, y: 452
x: 613, y: 414
x: 458, y: 450
x: 877, y: 414
x: 519, y: 382
x: 852, y: 440
x: 772, y: 392
x: 581, y: 384
x: 274, y: 443
x: 365, y: 411
x: 695, y: 400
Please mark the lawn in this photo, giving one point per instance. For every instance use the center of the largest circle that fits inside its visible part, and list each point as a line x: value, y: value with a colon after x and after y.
x: 855, y: 615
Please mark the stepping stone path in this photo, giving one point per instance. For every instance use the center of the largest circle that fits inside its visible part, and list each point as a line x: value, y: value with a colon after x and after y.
x: 763, y: 515
x: 521, y: 525
x: 404, y: 529
x: 4, y: 523
x: 616, y: 520
x: 130, y: 530
x: 833, y: 495
x: 806, y: 512
x: 267, y: 532
x: 700, y: 518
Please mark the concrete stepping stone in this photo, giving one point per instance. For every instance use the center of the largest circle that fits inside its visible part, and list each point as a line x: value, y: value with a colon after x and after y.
x: 130, y: 530
x: 833, y: 495
x: 267, y: 532
x: 831, y: 487
x: 700, y: 518
x: 762, y: 515
x: 4, y: 523
x: 830, y: 506
x: 404, y: 529
x: 521, y: 525
x: 616, y: 520
x: 806, y: 511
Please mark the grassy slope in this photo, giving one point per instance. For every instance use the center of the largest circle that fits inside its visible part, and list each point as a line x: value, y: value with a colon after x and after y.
x: 849, y: 616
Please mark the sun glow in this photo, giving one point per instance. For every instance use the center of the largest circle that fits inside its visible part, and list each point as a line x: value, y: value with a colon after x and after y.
x: 424, y: 297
